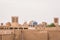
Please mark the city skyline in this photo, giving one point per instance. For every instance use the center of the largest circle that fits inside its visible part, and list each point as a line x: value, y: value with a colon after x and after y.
x: 37, y: 10
x: 16, y: 18
x: 29, y: 19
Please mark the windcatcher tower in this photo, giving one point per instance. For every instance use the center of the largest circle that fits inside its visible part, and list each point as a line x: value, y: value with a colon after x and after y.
x: 15, y: 21
x: 56, y: 22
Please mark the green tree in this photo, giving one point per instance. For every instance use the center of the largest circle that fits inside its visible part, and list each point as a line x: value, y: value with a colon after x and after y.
x: 51, y: 25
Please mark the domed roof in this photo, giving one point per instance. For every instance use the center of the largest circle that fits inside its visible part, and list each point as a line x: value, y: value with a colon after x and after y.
x: 34, y: 23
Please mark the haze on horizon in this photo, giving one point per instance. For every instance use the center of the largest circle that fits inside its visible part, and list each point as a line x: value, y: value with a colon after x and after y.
x: 26, y: 10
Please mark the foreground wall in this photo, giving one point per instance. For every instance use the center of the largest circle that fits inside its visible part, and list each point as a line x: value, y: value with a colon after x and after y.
x: 28, y: 34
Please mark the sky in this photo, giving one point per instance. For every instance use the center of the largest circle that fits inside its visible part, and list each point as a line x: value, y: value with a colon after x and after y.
x: 26, y: 10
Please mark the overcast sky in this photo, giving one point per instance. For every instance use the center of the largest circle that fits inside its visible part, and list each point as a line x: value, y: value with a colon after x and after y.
x: 38, y: 10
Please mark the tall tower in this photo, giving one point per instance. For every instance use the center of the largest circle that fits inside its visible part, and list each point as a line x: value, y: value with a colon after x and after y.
x: 8, y: 24
x: 14, y: 19
x: 56, y: 22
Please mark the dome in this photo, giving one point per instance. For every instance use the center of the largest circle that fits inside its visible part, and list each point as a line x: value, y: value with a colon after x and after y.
x: 33, y: 23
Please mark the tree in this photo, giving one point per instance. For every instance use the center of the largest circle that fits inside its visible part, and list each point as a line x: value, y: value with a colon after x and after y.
x: 51, y: 25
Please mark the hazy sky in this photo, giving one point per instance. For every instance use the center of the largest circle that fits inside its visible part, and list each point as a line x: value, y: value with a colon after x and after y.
x: 38, y: 10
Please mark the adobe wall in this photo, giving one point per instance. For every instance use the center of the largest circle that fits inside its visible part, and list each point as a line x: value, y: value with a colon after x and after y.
x: 52, y: 33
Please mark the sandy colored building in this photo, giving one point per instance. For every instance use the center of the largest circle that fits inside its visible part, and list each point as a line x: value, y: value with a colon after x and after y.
x: 25, y: 25
x: 14, y: 21
x: 44, y: 24
x: 40, y: 32
x: 8, y: 24
x: 56, y: 22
